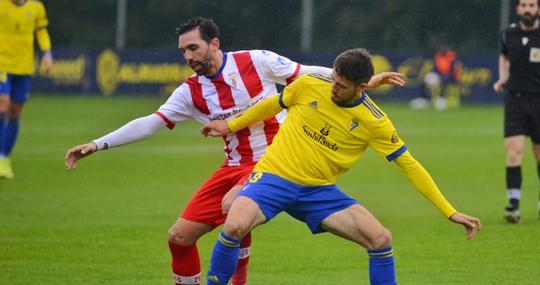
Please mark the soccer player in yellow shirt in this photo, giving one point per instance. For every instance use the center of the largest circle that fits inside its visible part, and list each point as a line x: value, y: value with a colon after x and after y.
x: 20, y: 22
x: 330, y: 123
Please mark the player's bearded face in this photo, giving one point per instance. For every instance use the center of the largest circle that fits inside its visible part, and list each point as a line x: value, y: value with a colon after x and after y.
x: 527, y: 19
x: 201, y: 66
x: 343, y: 90
x: 527, y: 11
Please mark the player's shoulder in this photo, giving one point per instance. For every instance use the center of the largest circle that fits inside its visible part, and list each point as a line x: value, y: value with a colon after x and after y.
x: 513, y: 28
x: 318, y: 77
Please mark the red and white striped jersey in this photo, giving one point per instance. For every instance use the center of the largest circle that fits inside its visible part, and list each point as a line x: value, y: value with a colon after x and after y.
x: 244, y: 78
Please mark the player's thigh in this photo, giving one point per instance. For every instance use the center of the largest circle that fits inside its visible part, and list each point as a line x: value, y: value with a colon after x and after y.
x: 187, y: 232
x: 515, y: 117
x: 244, y: 215
x: 357, y: 224
x: 205, y: 206
x: 20, y: 88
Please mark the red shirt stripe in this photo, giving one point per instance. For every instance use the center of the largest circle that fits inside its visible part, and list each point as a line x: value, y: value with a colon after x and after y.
x: 196, y: 95
x: 249, y: 74
x: 225, y: 96
x: 292, y: 77
x: 170, y: 124
x: 271, y: 127
x: 244, y: 146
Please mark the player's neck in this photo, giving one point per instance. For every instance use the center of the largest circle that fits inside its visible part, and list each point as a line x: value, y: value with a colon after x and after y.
x: 526, y: 28
x: 216, y: 64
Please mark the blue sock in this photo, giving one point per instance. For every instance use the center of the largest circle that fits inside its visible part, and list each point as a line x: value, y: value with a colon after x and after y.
x: 223, y: 261
x: 9, y: 136
x: 382, y: 269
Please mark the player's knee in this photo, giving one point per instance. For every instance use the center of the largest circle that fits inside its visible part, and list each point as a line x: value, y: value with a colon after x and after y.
x: 383, y: 239
x: 235, y: 229
x: 178, y: 236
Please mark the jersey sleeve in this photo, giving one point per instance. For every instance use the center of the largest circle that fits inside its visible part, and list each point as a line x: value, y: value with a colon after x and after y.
x: 177, y: 108
x: 386, y: 141
x: 41, y: 19
x: 504, y: 48
x: 275, y: 67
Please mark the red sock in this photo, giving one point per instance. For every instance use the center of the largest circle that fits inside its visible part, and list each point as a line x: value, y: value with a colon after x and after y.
x: 186, y: 265
x: 240, y: 275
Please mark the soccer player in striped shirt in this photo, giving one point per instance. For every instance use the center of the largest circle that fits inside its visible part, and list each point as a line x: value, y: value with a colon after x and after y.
x: 225, y: 85
x: 20, y: 22
x: 330, y: 123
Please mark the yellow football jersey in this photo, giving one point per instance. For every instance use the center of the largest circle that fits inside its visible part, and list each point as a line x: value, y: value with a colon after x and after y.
x: 17, y: 27
x: 320, y: 140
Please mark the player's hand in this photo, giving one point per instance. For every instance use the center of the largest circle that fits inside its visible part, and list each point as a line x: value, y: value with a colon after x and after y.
x: 499, y: 86
x: 46, y: 63
x: 471, y: 224
x: 229, y: 197
x: 392, y: 78
x: 217, y: 128
x: 73, y: 155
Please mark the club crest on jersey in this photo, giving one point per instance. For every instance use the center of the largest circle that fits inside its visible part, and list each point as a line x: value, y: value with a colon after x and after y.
x: 313, y: 104
x: 524, y: 40
x: 354, y: 125
x: 232, y: 78
x: 325, y: 131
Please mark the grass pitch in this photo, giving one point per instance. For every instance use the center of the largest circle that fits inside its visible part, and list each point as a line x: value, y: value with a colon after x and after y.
x: 106, y: 222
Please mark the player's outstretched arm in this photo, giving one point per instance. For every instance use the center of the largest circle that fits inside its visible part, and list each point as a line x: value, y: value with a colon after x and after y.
x: 391, y: 78
x: 471, y: 224
x: 76, y: 153
x: 423, y: 182
x: 263, y: 110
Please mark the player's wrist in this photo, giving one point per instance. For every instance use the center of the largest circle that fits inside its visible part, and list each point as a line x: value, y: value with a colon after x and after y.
x: 48, y: 53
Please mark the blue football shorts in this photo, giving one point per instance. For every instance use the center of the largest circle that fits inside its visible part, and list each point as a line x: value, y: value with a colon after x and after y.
x: 16, y: 86
x: 309, y: 204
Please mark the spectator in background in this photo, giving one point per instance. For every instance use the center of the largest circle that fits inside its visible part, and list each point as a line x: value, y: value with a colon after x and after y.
x: 441, y: 83
x: 20, y: 22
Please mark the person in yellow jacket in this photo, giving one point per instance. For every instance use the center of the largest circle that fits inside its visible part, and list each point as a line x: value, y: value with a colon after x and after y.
x: 20, y: 22
x: 331, y: 122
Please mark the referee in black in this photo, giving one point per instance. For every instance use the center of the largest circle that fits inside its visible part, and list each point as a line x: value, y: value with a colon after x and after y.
x: 519, y: 76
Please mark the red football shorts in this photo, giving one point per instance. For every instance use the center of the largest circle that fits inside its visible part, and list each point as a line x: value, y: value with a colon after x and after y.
x: 205, y: 205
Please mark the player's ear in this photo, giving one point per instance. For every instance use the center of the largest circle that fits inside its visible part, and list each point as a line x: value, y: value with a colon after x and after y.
x: 215, y: 43
x: 362, y: 86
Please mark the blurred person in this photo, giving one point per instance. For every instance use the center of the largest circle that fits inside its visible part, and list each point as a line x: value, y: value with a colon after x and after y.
x: 519, y: 76
x: 20, y: 22
x: 330, y: 123
x: 226, y: 84
x: 440, y: 84
x: 447, y: 67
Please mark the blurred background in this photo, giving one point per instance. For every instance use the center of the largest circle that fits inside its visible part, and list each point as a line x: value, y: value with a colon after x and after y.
x: 129, y: 47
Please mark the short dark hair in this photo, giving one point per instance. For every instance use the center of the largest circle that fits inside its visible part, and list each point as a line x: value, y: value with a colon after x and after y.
x: 519, y: 1
x: 354, y: 65
x: 207, y: 28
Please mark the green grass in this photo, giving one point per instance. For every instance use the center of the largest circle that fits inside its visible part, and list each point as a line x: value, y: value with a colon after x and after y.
x: 106, y: 222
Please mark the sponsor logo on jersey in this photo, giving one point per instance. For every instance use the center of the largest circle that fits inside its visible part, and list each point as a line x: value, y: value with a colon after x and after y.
x: 325, y: 131
x: 524, y: 40
x: 321, y: 138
